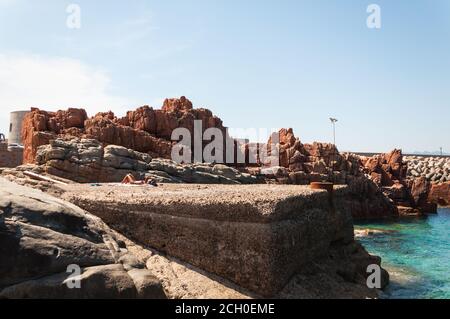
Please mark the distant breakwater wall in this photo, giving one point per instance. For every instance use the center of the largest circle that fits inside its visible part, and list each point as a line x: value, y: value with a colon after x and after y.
x: 434, y: 169
x: 405, y: 155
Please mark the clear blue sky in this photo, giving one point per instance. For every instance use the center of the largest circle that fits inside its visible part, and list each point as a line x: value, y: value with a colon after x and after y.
x: 253, y: 63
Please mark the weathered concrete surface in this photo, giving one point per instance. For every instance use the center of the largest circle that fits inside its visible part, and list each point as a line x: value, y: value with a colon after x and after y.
x: 257, y: 236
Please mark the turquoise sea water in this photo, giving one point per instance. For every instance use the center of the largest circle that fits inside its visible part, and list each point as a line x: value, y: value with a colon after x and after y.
x: 416, y: 253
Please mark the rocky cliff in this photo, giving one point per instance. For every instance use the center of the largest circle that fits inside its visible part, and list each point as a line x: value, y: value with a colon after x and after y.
x: 144, y: 130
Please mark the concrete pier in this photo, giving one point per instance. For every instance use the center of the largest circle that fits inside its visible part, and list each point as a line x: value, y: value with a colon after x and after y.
x: 257, y: 236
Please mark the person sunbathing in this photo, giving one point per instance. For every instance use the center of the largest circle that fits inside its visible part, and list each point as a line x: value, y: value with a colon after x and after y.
x: 130, y: 179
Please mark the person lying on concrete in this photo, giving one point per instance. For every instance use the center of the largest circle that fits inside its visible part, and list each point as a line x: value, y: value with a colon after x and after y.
x: 130, y: 179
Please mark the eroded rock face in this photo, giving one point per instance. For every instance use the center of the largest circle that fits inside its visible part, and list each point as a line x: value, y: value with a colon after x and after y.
x: 389, y: 172
x: 386, y: 169
x: 40, y: 236
x: 440, y: 194
x: 302, y: 164
x: 107, y: 129
x: 368, y: 201
x: 315, y: 162
x: 87, y: 161
x: 144, y: 130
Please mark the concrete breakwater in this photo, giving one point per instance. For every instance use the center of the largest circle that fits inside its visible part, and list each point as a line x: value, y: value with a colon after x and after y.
x: 434, y: 169
x: 257, y: 236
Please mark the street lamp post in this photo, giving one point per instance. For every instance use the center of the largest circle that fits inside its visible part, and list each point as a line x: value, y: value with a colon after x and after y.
x: 333, y: 122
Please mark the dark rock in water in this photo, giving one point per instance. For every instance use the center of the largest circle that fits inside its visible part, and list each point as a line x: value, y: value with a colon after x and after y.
x: 40, y: 236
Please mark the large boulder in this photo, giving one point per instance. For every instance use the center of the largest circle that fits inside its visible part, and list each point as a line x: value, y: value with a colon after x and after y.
x: 41, y: 236
x: 39, y: 127
x: 419, y: 191
x: 440, y: 194
x: 367, y: 201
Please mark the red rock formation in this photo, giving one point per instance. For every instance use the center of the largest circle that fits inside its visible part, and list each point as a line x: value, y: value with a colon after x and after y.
x: 175, y: 113
x: 37, y: 130
x: 318, y: 161
x: 144, y: 119
x: 144, y: 130
x: 419, y: 191
x: 367, y: 201
x: 177, y: 105
x: 388, y: 171
x: 106, y: 128
x: 39, y: 127
x: 440, y: 194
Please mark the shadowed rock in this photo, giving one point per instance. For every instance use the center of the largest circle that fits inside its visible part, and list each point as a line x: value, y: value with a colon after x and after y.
x: 40, y: 236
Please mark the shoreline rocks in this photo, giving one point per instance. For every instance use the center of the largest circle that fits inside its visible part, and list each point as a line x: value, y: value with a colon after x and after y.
x: 40, y: 236
x: 389, y: 172
x: 87, y: 161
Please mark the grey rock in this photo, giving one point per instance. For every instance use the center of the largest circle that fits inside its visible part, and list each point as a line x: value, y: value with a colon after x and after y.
x: 167, y: 166
x: 147, y: 285
x: 105, y: 282
x: 203, y: 168
x: 99, y: 282
x: 117, y: 150
x: 61, y: 143
x: 276, y: 171
x: 56, y: 153
x: 245, y: 178
x: 129, y: 262
x: 86, y: 161
x: 119, y: 162
x: 205, y: 178
x: 45, y: 232
x: 40, y: 236
x: 226, y: 171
